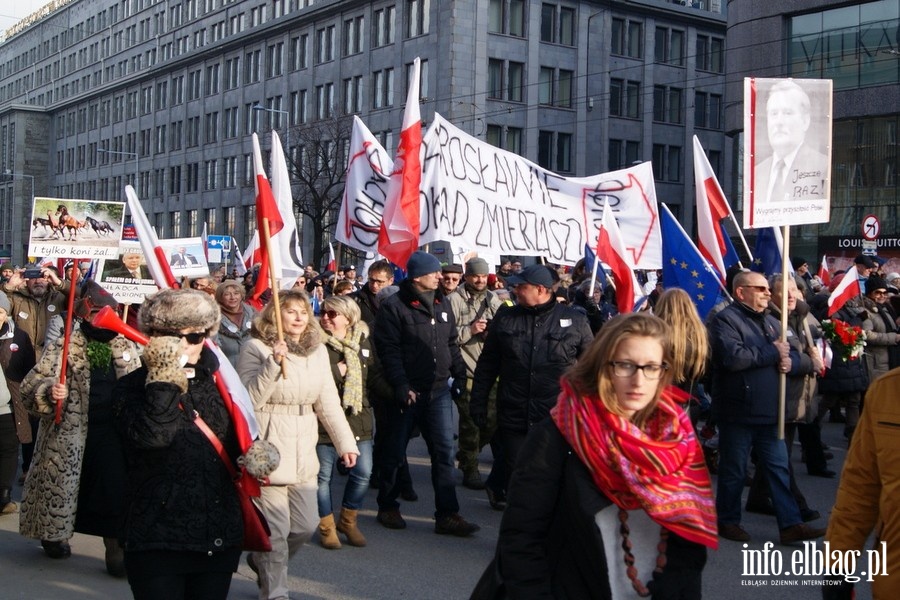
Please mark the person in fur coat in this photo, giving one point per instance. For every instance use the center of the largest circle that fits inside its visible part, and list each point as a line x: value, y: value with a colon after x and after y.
x: 292, y: 390
x: 77, y: 477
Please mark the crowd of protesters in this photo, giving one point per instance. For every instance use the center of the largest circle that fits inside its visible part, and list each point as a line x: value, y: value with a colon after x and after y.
x: 611, y: 413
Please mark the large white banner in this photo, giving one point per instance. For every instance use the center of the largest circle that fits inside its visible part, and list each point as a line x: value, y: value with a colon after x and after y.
x: 491, y: 201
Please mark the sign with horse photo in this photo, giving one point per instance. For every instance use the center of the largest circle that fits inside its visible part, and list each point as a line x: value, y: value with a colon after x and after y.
x: 75, y: 228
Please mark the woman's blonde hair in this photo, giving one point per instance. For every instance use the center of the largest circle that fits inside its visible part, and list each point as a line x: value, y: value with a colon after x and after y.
x: 227, y: 285
x: 264, y: 326
x: 690, y: 342
x: 592, y: 373
x: 344, y: 305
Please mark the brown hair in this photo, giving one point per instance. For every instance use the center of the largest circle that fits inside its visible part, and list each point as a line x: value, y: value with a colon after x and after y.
x: 690, y: 341
x: 592, y: 375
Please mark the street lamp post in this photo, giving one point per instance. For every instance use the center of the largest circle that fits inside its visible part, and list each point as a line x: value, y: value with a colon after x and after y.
x: 134, y: 155
x: 16, y: 208
x: 287, y: 126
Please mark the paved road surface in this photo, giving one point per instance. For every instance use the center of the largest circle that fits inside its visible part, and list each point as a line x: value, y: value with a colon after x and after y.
x: 413, y: 564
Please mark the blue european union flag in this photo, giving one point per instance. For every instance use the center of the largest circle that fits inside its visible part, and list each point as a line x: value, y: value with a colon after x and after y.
x: 683, y: 267
x: 767, y: 253
x: 589, y: 258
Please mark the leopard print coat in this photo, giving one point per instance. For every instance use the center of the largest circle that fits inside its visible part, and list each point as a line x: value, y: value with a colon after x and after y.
x: 50, y: 497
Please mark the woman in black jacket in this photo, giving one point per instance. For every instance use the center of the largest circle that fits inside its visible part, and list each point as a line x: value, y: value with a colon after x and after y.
x: 615, y: 496
x: 183, y: 527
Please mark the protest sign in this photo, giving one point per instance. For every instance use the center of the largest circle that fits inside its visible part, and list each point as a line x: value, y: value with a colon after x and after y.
x: 75, y: 228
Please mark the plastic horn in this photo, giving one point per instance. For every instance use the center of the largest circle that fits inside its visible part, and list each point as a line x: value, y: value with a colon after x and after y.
x: 108, y: 319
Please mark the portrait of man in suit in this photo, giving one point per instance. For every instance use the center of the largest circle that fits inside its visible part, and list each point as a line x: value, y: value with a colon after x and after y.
x: 182, y: 258
x: 796, y: 169
x: 131, y: 267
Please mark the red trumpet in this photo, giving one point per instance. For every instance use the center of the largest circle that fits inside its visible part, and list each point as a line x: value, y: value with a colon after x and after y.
x: 107, y: 318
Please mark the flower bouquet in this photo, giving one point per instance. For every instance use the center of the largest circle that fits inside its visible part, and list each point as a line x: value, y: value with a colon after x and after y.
x: 849, y: 339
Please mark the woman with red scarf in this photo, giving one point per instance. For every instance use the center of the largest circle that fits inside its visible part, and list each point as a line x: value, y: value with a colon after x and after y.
x: 615, y: 500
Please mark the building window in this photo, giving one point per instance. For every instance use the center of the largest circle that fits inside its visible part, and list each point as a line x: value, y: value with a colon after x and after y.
x: 352, y: 93
x: 232, y: 73
x: 229, y: 170
x: 231, y: 123
x: 710, y: 51
x: 505, y: 80
x: 193, y: 132
x: 177, y: 90
x: 507, y: 17
x: 417, y: 17
x: 175, y: 180
x: 194, y: 79
x: 162, y: 94
x: 555, y: 87
x: 325, y: 44
x: 298, y: 108
x: 193, y: 177
x: 508, y: 138
x: 275, y: 60
x: 210, y: 174
x: 251, y: 66
x: 423, y: 78
x: 623, y: 153
x: 212, y: 127
x: 298, y: 52
x: 353, y: 36
x: 383, y: 88
x: 669, y: 46
x: 627, y: 38
x: 325, y: 101
x: 555, y: 151
x: 667, y: 104
x: 212, y: 80
x: 708, y: 110
x: 175, y: 133
x: 557, y: 24
x: 383, y: 26
x: 624, y: 98
x: 667, y: 163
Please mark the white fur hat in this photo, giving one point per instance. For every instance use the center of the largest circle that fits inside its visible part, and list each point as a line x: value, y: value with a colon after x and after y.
x: 170, y: 311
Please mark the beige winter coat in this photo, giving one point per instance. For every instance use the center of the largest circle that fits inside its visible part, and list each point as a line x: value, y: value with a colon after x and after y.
x: 287, y: 409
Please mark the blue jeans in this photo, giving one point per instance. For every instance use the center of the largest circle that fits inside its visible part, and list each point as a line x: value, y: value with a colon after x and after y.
x: 357, y: 482
x: 735, y: 442
x: 433, y: 413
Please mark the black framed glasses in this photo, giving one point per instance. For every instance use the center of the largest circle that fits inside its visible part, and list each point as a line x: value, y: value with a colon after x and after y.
x: 625, y: 368
x: 331, y: 314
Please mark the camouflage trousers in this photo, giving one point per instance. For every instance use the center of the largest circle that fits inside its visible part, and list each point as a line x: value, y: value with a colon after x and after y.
x: 471, y: 438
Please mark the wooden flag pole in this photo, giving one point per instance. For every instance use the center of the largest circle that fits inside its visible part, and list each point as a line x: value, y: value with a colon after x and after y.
x: 273, y: 285
x: 67, y: 336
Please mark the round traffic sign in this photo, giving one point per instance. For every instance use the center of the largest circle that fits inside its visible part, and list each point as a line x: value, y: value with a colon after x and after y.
x: 870, y: 227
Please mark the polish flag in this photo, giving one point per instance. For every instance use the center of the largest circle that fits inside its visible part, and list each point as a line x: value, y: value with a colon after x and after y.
x: 823, y: 273
x: 332, y: 261
x: 611, y: 250
x: 157, y: 263
x: 266, y: 209
x: 204, y: 240
x: 848, y: 288
x: 712, y: 209
x: 399, y: 234
x: 287, y: 240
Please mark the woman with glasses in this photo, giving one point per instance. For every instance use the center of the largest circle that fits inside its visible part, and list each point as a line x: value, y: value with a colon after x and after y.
x: 615, y: 499
x: 882, y: 335
x: 292, y: 390
x: 237, y: 317
x: 183, y: 528
x: 354, y: 369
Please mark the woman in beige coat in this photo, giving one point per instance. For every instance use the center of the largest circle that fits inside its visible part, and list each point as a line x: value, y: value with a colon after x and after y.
x: 288, y: 408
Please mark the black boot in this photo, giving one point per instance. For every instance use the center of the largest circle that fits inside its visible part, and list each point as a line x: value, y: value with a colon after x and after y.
x: 115, y: 557
x: 56, y: 549
x: 7, y: 506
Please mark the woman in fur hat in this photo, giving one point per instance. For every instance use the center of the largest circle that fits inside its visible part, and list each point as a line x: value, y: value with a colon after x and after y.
x: 77, y: 476
x: 292, y: 390
x: 183, y: 530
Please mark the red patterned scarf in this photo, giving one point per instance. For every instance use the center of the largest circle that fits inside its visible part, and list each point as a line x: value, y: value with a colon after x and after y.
x: 659, y: 468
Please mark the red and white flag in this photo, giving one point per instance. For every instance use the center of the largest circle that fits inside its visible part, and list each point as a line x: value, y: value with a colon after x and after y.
x: 611, y: 250
x: 712, y: 209
x: 266, y: 210
x: 399, y: 234
x: 154, y: 255
x: 240, y: 265
x: 287, y: 240
x: 204, y: 240
x: 332, y: 261
x: 823, y: 273
x: 848, y: 288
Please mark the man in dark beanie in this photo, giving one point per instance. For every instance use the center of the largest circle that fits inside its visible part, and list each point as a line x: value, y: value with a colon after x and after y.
x: 451, y: 275
x: 416, y: 339
x: 474, y: 306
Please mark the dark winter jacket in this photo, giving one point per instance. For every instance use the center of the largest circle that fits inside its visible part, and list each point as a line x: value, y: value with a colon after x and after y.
x: 180, y: 495
x: 16, y: 360
x: 846, y: 376
x: 550, y: 545
x: 528, y: 348
x: 745, y: 366
x: 368, y: 305
x: 417, y: 344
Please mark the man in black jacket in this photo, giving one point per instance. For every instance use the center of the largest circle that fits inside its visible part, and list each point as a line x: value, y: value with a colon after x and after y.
x: 415, y: 337
x: 747, y: 356
x: 528, y: 346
